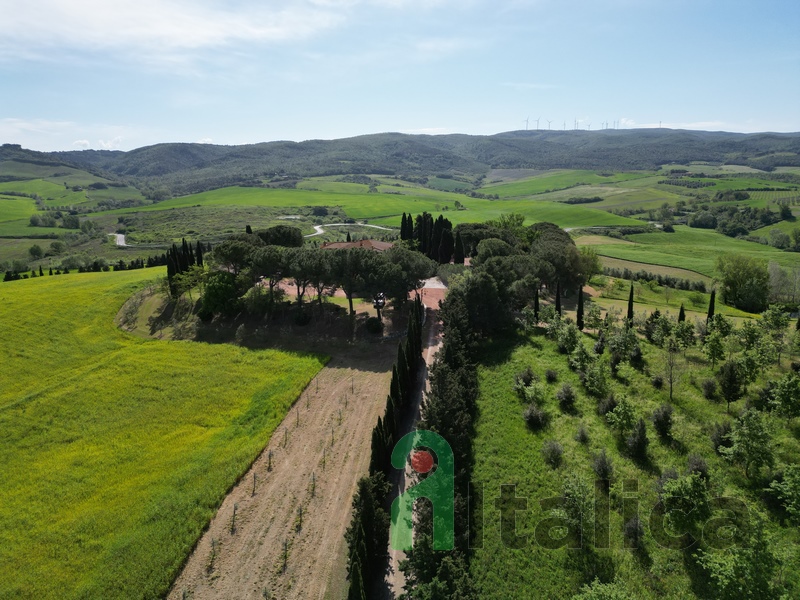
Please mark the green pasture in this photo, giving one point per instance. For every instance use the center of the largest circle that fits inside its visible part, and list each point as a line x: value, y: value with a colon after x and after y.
x: 116, y: 450
x: 692, y: 249
x: 556, y: 180
x: 54, y: 194
x: 13, y: 208
x: 507, y: 452
x: 22, y: 228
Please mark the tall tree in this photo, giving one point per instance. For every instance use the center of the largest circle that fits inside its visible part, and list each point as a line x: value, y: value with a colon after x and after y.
x: 629, y: 322
x: 446, y: 247
x: 710, y: 314
x: 458, y: 254
x: 536, y: 304
x: 681, y: 314
x: 579, y: 317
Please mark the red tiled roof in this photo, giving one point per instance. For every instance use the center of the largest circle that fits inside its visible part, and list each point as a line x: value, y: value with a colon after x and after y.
x: 373, y: 245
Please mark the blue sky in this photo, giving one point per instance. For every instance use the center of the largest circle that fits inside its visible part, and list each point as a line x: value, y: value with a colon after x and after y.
x: 127, y: 73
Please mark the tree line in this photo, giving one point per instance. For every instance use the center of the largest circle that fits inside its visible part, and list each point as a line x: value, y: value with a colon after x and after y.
x: 368, y: 533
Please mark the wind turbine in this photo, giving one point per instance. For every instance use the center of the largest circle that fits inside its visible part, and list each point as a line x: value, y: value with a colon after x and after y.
x: 589, y: 125
x: 537, y: 123
x: 526, y: 124
x: 548, y: 124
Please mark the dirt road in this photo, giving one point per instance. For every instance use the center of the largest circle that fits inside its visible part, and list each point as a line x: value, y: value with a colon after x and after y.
x: 287, y: 539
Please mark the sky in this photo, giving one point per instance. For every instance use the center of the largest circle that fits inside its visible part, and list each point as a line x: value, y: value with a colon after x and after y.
x: 121, y: 74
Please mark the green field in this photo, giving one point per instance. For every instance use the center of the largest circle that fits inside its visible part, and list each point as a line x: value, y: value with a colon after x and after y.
x: 386, y: 208
x: 693, y: 249
x: 556, y: 180
x: 13, y: 208
x: 116, y: 449
x: 507, y: 452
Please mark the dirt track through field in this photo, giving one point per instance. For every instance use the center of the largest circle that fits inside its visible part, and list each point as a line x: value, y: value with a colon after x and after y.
x: 317, y: 458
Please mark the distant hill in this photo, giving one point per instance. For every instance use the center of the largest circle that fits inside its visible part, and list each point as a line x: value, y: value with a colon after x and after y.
x: 187, y: 168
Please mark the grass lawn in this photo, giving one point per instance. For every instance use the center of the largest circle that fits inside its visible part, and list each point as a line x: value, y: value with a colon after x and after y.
x: 115, y: 449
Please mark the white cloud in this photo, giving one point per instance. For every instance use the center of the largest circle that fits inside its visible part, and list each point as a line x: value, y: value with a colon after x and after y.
x: 111, y: 144
x: 81, y: 144
x: 161, y: 29
x: 154, y: 26
x: 205, y: 140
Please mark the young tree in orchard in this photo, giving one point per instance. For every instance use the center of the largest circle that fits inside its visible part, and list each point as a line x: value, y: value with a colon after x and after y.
x: 672, y: 367
x: 786, y: 398
x: 775, y: 323
x: 751, y: 443
x: 732, y: 381
x: 714, y: 348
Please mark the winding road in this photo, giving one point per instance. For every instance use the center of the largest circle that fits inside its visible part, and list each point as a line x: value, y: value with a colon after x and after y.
x: 319, y: 230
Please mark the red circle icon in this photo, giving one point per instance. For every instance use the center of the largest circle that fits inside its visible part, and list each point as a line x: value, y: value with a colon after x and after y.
x: 422, y: 461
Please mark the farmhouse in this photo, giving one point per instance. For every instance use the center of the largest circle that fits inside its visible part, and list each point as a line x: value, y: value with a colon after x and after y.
x: 373, y: 245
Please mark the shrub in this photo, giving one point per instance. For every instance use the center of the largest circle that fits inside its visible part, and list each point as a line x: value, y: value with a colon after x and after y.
x: 602, y: 465
x: 720, y: 436
x: 582, y: 437
x: 657, y: 381
x: 535, y: 417
x: 607, y: 405
x: 535, y: 393
x: 525, y: 377
x: 552, y: 452
x: 697, y: 464
x: 373, y: 325
x: 667, y: 475
x: 551, y: 376
x: 662, y: 420
x: 709, y: 389
x: 566, y: 398
x: 633, y: 530
x: 637, y: 441
x: 595, y: 380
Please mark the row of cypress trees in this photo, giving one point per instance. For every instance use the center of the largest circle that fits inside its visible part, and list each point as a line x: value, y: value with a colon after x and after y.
x: 181, y: 259
x: 434, y: 238
x: 450, y: 410
x: 368, y: 534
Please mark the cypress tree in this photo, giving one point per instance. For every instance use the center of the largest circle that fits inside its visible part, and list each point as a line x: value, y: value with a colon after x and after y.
x: 458, y: 251
x: 199, y: 252
x: 41, y: 273
x: 558, y: 298
x: 630, y: 307
x: 389, y: 422
x: 396, y: 390
x: 248, y: 229
x: 711, y: 306
x: 580, y: 309
x: 446, y: 247
x: 403, y: 370
x: 682, y: 314
x: 51, y: 272
x: 536, y: 303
